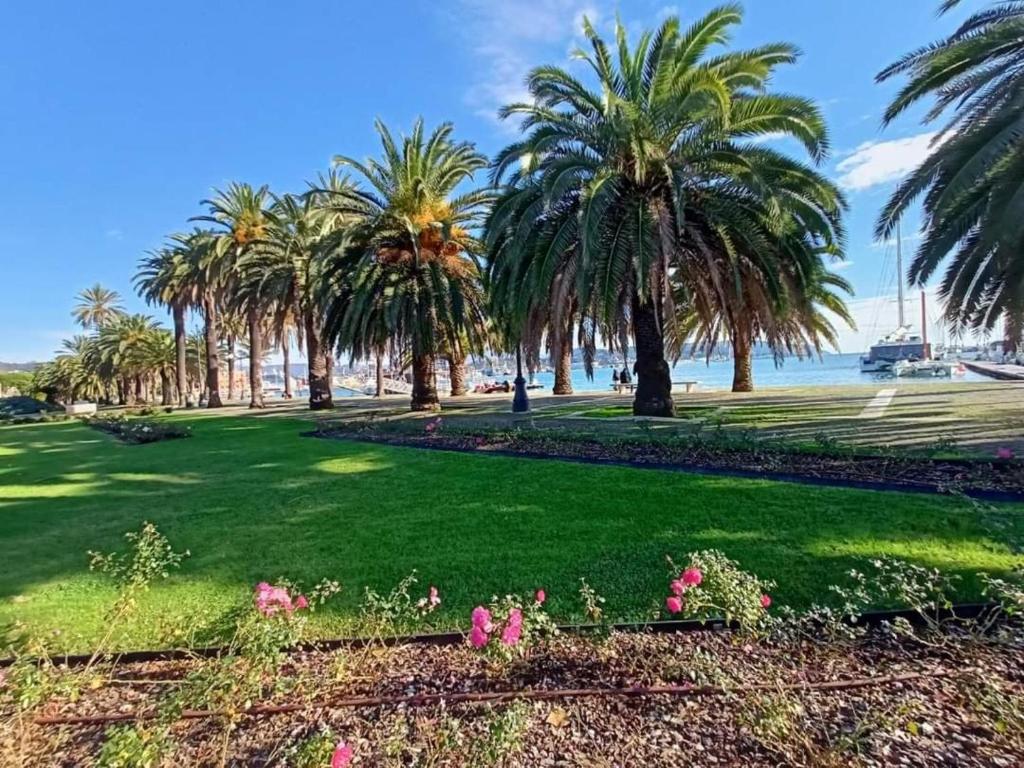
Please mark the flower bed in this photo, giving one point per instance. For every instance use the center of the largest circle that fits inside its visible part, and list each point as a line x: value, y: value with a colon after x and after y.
x: 878, y: 700
x: 1001, y: 476
x: 138, y: 431
x: 781, y: 688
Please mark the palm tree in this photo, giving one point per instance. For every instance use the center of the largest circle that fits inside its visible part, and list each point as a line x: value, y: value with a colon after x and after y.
x: 972, y: 181
x: 288, y: 271
x: 163, y: 278
x: 203, y: 286
x: 242, y: 221
x: 123, y: 343
x: 409, y: 258
x: 96, y: 306
x: 632, y: 175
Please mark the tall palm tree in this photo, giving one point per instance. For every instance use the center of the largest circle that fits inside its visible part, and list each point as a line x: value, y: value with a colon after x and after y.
x: 241, y: 220
x: 163, y: 278
x: 96, y: 306
x: 202, y: 284
x: 633, y: 173
x: 973, y: 180
x: 288, y: 271
x: 410, y: 257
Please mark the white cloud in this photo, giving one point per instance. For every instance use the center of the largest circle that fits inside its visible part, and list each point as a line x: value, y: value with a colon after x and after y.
x: 114, y: 234
x: 510, y: 37
x: 881, y: 162
x: 839, y: 266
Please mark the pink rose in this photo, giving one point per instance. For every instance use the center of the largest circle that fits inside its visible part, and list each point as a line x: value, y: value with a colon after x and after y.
x: 766, y: 601
x: 301, y: 603
x: 434, y: 598
x: 515, y: 618
x: 692, y: 577
x: 677, y: 587
x: 478, y: 637
x: 540, y: 597
x: 674, y: 604
x: 342, y: 755
x: 482, y: 619
x: 511, y: 634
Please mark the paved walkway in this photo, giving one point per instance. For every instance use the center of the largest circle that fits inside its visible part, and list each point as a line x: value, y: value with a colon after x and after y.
x: 878, y: 404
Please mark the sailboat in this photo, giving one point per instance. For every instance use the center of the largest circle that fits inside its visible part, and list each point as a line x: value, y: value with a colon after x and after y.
x: 900, y: 345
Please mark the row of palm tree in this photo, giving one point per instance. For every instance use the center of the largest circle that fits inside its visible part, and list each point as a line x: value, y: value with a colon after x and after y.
x: 643, y: 205
x: 130, y: 355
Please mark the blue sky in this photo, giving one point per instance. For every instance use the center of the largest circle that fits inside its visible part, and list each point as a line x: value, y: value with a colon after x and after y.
x: 117, y: 118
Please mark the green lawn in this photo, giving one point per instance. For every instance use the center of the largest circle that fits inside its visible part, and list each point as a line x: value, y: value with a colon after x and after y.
x: 253, y: 500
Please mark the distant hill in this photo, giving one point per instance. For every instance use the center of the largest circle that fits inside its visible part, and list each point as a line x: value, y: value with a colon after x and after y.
x: 9, y: 367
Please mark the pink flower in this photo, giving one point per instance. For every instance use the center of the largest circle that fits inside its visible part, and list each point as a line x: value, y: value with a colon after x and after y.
x: 766, y: 601
x: 482, y: 619
x: 540, y: 597
x: 434, y: 598
x: 430, y: 427
x: 515, y: 618
x: 692, y: 577
x: 1004, y: 453
x: 674, y: 604
x: 301, y: 603
x: 677, y: 587
x: 342, y: 755
x: 512, y: 632
x: 478, y: 637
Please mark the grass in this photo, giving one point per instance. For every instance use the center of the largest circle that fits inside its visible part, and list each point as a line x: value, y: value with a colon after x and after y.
x: 254, y: 500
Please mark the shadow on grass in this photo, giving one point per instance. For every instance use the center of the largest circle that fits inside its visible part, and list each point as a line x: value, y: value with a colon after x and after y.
x: 260, y: 502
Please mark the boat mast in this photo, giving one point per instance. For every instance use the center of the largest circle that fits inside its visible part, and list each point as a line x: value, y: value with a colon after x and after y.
x: 899, y: 273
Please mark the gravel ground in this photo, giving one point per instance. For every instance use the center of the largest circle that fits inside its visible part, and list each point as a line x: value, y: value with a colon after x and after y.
x: 968, y: 709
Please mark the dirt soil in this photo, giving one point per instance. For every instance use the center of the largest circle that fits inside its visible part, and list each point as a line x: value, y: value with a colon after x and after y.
x: 966, y: 708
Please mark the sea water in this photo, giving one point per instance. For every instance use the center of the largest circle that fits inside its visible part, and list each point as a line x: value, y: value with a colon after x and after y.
x: 830, y: 370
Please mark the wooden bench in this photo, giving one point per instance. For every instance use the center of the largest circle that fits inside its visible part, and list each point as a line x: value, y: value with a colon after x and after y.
x: 690, y: 385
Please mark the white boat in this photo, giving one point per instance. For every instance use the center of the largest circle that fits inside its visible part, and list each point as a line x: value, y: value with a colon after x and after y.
x: 900, y: 346
x: 923, y: 368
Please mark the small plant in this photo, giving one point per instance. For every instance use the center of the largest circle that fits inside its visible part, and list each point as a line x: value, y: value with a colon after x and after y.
x: 713, y: 586
x: 509, y: 627
x: 386, y: 615
x: 150, y: 557
x: 320, y: 750
x: 505, y: 732
x: 133, y: 747
x: 593, y: 603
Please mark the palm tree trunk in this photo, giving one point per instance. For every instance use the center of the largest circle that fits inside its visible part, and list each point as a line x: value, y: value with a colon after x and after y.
x: 457, y: 372
x: 563, y: 365
x: 212, y: 358
x: 255, y: 360
x: 424, y: 386
x: 742, y: 373
x: 165, y: 388
x: 653, y: 378
x: 180, y: 357
x: 320, y: 397
x: 1013, y: 330
x: 379, y: 372
x: 231, y: 366
x: 286, y: 365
